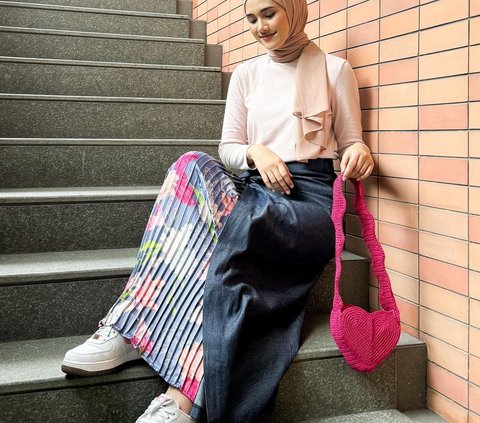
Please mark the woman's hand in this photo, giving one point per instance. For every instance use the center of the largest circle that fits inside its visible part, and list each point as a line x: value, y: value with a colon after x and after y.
x: 357, y: 162
x: 272, y: 168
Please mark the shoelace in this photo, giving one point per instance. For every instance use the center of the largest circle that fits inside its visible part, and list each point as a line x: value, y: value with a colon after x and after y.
x: 103, y: 333
x: 157, y: 412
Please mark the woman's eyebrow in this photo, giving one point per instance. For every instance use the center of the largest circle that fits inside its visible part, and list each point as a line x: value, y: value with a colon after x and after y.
x: 263, y: 10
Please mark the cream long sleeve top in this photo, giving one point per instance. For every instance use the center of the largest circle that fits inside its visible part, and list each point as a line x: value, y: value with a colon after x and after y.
x: 259, y: 110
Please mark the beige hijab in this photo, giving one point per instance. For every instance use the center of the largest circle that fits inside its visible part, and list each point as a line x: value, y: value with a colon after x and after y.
x: 311, y: 93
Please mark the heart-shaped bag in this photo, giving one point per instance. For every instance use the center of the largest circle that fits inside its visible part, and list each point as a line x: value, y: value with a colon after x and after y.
x: 365, y: 339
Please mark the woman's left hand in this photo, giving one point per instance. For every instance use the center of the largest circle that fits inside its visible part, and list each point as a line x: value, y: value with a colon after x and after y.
x: 357, y: 162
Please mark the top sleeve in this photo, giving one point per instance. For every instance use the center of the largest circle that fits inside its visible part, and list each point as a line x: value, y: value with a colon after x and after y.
x: 347, y: 117
x: 234, y: 144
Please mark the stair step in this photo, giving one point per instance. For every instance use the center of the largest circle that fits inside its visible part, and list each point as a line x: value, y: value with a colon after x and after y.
x: 49, y: 116
x: 65, y: 219
x: 424, y: 416
x: 52, y: 162
x: 97, y: 46
x: 381, y: 416
x: 32, y: 376
x: 31, y: 15
x: 155, y: 6
x: 81, y: 286
x: 84, y: 78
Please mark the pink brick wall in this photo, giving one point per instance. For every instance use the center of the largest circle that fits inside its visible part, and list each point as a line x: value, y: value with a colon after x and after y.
x: 417, y: 63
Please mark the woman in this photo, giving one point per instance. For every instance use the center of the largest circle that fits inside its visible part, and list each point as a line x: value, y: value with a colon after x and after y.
x: 227, y: 262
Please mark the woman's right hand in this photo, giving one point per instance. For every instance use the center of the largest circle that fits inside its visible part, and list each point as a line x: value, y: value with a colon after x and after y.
x: 272, y: 168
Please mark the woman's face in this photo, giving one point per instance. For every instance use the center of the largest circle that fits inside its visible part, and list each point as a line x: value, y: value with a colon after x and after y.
x: 268, y: 23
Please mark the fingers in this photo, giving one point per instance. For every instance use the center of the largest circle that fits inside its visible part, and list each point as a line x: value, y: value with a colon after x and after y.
x: 357, y: 163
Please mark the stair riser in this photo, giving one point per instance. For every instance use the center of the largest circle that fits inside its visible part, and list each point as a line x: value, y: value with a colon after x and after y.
x: 79, y: 119
x: 42, y: 166
x: 309, y: 390
x: 163, y: 6
x: 93, y: 22
x: 35, y: 78
x: 80, y: 304
x: 116, y: 402
x: 53, y: 46
x: 69, y: 227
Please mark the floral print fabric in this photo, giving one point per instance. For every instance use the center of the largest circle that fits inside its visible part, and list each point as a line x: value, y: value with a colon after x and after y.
x: 161, y: 307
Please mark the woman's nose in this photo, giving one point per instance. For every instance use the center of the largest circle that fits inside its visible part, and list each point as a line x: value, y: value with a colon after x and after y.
x: 262, y: 26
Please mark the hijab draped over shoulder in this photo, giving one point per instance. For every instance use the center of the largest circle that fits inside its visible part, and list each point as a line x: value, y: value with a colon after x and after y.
x: 311, y: 105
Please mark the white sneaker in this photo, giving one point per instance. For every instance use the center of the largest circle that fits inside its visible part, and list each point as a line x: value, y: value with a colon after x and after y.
x: 100, y: 354
x: 164, y: 409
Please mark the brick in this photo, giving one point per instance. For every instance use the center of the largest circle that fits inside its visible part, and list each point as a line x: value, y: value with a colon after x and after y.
x: 367, y: 76
x: 446, y: 63
x: 474, y: 370
x: 447, y: 384
x: 363, y: 55
x: 312, y: 30
x: 474, y: 7
x: 405, y: 214
x: 398, y: 142
x: 473, y: 418
x: 474, y: 200
x: 474, y: 398
x: 369, y: 98
x: 408, y: 312
x: 399, y: 71
x: 404, y: 286
x: 399, y: 24
x: 405, y: 190
x: 444, y: 196
x: 363, y: 12
x: 333, y: 23
x: 446, y: 356
x: 446, y: 408
x: 474, y: 253
x: 474, y: 53
x: 398, y: 236
x: 444, y: 90
x: 334, y: 42
x: 475, y: 31
x: 444, y: 37
x: 388, y: 7
x: 330, y: 6
x: 444, y: 301
x: 448, y: 116
x: 399, y: 95
x: 444, y: 275
x: 444, y: 222
x: 474, y: 172
x: 442, y: 327
x: 401, y: 166
x: 474, y: 281
x: 399, y: 47
x: 370, y: 120
x: 474, y: 341
x: 363, y: 34
x: 401, y: 118
x: 474, y: 143
x: 314, y: 11
x: 474, y: 87
x: 474, y: 115
x: 474, y: 228
x: 454, y: 171
x: 401, y: 261
x: 439, y: 247
x: 443, y: 11
x: 444, y: 143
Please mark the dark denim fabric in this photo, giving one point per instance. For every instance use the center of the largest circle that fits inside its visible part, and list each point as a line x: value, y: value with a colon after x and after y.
x: 272, y: 249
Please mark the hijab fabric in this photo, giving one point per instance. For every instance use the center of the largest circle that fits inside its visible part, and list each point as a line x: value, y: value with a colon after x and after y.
x: 311, y: 105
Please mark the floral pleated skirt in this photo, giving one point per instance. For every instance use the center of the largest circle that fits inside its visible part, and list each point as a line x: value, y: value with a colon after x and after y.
x: 161, y: 308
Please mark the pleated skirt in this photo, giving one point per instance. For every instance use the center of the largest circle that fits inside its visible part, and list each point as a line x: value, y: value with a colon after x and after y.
x: 161, y: 309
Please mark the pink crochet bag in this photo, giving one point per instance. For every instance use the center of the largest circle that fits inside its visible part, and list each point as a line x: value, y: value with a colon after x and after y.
x: 365, y: 339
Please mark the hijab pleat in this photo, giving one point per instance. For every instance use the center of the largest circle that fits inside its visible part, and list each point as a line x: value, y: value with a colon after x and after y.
x: 311, y: 105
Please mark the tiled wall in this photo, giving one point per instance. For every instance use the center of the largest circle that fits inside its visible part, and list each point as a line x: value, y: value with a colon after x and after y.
x: 417, y: 63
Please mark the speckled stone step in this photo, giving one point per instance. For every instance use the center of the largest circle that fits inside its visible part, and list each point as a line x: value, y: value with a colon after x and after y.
x: 80, y: 287
x: 53, y: 162
x: 66, y: 219
x: 85, y: 78
x: 32, y: 15
x: 318, y: 384
x: 44, y: 116
x: 98, y: 46
x: 156, y: 6
x: 383, y: 416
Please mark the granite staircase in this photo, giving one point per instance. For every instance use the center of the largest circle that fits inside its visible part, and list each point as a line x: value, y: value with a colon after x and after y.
x: 97, y: 99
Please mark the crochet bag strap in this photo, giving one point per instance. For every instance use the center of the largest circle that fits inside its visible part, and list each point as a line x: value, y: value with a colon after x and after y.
x: 339, y: 206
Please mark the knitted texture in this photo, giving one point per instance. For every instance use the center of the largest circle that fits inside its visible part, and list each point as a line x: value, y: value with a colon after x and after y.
x: 365, y: 339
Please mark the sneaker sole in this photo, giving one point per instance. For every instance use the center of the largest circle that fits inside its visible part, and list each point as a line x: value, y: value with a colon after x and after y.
x: 76, y: 371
